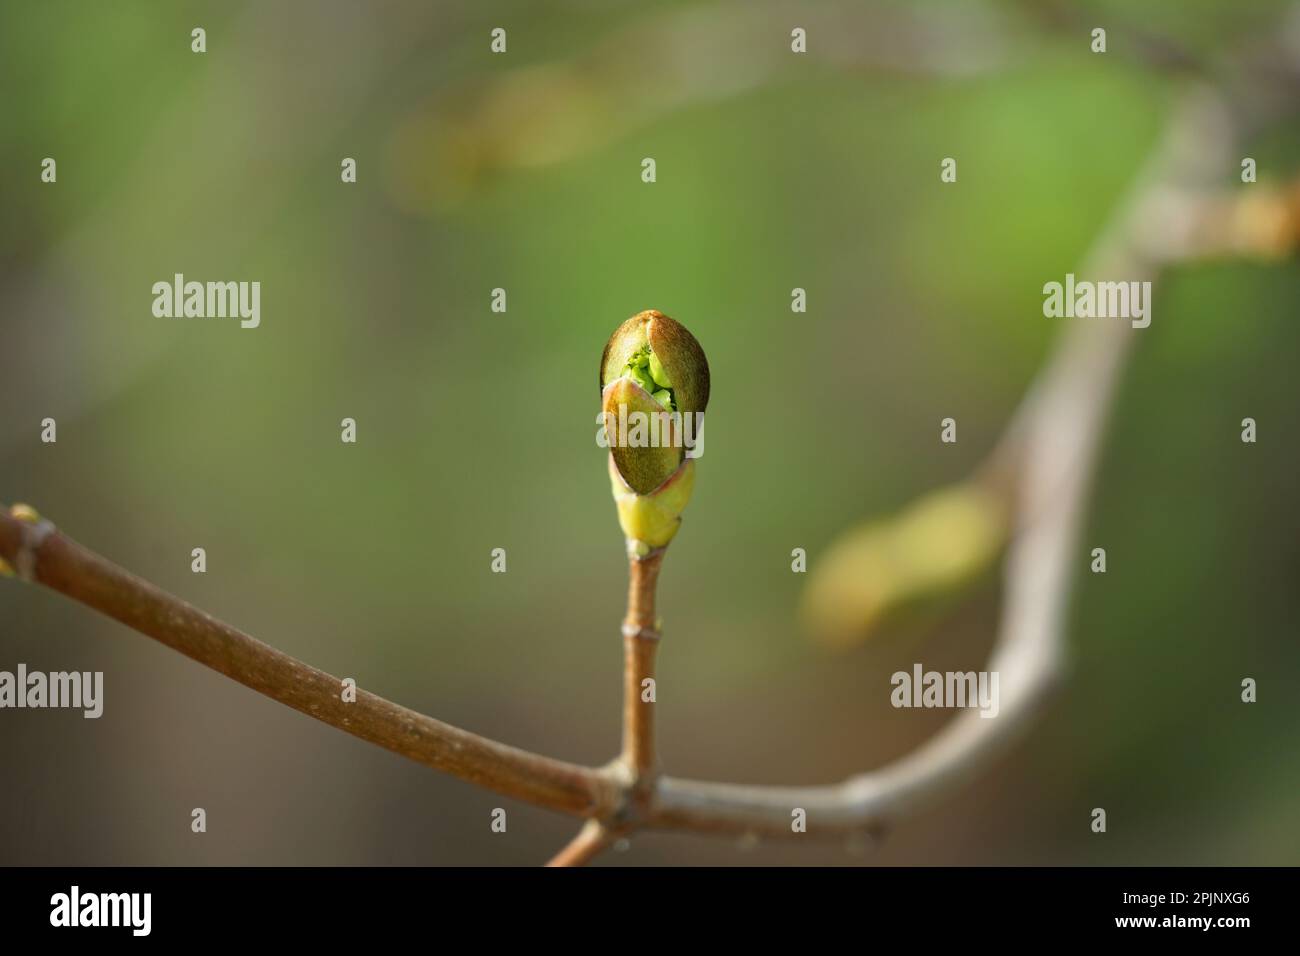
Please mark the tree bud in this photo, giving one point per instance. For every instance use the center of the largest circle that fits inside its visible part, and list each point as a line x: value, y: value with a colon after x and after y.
x: 653, y: 374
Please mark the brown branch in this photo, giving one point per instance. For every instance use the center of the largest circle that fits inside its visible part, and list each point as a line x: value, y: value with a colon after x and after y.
x: 640, y: 647
x: 637, y: 766
x: 583, y: 848
x: 1050, y: 451
x: 41, y: 554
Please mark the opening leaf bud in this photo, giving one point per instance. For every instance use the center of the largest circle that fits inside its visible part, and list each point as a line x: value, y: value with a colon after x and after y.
x: 654, y: 374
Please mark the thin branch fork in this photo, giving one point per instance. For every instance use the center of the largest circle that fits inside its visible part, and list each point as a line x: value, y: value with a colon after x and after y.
x: 592, y: 839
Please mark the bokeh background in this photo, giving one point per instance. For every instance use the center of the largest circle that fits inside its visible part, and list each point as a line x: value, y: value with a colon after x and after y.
x: 476, y: 429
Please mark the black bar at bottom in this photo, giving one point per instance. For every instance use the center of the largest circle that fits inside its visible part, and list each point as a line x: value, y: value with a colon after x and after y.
x: 338, y: 906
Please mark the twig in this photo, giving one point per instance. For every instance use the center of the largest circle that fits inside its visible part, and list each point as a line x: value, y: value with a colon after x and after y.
x: 583, y: 848
x: 46, y: 556
x: 640, y: 647
x: 637, y: 766
x: 1051, y: 448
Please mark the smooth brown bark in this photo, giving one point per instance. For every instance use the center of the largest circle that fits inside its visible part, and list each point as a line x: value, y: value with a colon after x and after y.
x: 640, y: 647
x: 63, y: 565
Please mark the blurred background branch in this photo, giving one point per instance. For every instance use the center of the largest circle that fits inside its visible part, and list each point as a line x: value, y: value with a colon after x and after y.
x: 1034, y: 490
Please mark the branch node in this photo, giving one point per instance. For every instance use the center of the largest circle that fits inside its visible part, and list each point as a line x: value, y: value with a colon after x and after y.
x: 638, y: 551
x: 35, y: 530
x: 632, y: 632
